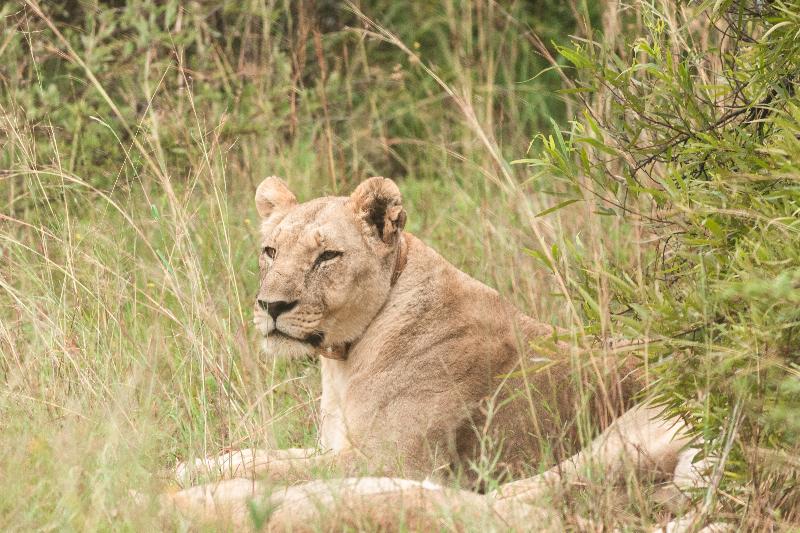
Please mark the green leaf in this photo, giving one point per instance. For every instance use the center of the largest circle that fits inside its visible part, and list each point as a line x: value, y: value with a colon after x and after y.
x: 556, y: 207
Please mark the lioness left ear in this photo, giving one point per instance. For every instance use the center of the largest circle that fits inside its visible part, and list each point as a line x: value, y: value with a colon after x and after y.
x: 379, y: 203
x: 273, y: 196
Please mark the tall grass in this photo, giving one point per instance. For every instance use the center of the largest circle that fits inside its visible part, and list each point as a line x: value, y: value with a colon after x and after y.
x: 134, y: 134
x: 133, y: 137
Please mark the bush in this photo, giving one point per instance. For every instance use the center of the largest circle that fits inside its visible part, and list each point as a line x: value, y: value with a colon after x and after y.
x: 690, y: 142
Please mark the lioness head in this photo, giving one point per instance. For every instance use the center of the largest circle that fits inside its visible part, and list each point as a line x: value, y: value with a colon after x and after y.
x: 326, y: 265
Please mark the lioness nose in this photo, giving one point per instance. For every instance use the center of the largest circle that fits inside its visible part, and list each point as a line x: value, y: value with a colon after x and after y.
x: 276, y: 308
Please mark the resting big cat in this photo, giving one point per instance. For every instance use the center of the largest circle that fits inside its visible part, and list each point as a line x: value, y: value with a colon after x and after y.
x: 426, y: 372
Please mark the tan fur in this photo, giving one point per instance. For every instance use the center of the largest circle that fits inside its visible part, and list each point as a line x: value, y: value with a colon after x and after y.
x: 359, y: 504
x: 439, y: 375
x: 640, y: 440
x: 439, y: 368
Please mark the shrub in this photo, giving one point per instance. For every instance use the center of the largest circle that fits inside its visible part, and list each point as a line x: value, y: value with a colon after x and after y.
x: 689, y: 141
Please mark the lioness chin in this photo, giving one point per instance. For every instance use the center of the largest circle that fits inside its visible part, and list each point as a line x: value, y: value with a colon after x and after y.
x: 426, y: 372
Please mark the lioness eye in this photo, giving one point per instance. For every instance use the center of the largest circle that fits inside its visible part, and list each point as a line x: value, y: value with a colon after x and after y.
x: 327, y: 255
x: 269, y: 251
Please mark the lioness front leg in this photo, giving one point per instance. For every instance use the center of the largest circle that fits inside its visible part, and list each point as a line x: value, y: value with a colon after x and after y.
x: 287, y: 465
x: 641, y: 438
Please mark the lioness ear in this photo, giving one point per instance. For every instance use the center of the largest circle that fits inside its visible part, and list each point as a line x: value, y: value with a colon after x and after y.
x: 273, y: 196
x: 379, y: 203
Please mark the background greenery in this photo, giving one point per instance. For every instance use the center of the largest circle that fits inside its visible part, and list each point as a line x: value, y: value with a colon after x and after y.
x: 134, y: 133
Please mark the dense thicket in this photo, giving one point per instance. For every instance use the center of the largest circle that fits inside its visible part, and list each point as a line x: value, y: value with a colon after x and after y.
x: 690, y: 137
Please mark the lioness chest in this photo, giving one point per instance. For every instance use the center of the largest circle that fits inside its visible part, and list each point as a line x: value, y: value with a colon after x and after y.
x: 333, y: 429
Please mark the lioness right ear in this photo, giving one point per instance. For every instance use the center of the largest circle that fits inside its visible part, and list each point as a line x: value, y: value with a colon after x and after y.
x: 273, y: 196
x: 378, y: 202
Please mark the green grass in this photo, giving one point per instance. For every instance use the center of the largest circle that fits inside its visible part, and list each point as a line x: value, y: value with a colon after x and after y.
x: 132, y: 139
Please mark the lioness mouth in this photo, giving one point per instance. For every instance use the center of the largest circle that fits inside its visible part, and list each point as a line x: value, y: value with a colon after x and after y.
x: 315, y: 339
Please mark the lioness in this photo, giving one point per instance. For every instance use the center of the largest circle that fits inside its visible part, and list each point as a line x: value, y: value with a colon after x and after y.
x: 426, y: 372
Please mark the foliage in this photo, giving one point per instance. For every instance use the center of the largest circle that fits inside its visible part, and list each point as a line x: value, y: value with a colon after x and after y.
x: 305, y: 73
x: 689, y: 142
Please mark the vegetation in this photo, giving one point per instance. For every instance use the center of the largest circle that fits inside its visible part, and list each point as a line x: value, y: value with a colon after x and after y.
x: 660, y: 207
x: 691, y: 136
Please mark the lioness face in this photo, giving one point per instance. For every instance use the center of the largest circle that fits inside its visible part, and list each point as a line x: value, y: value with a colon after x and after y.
x: 326, y: 265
